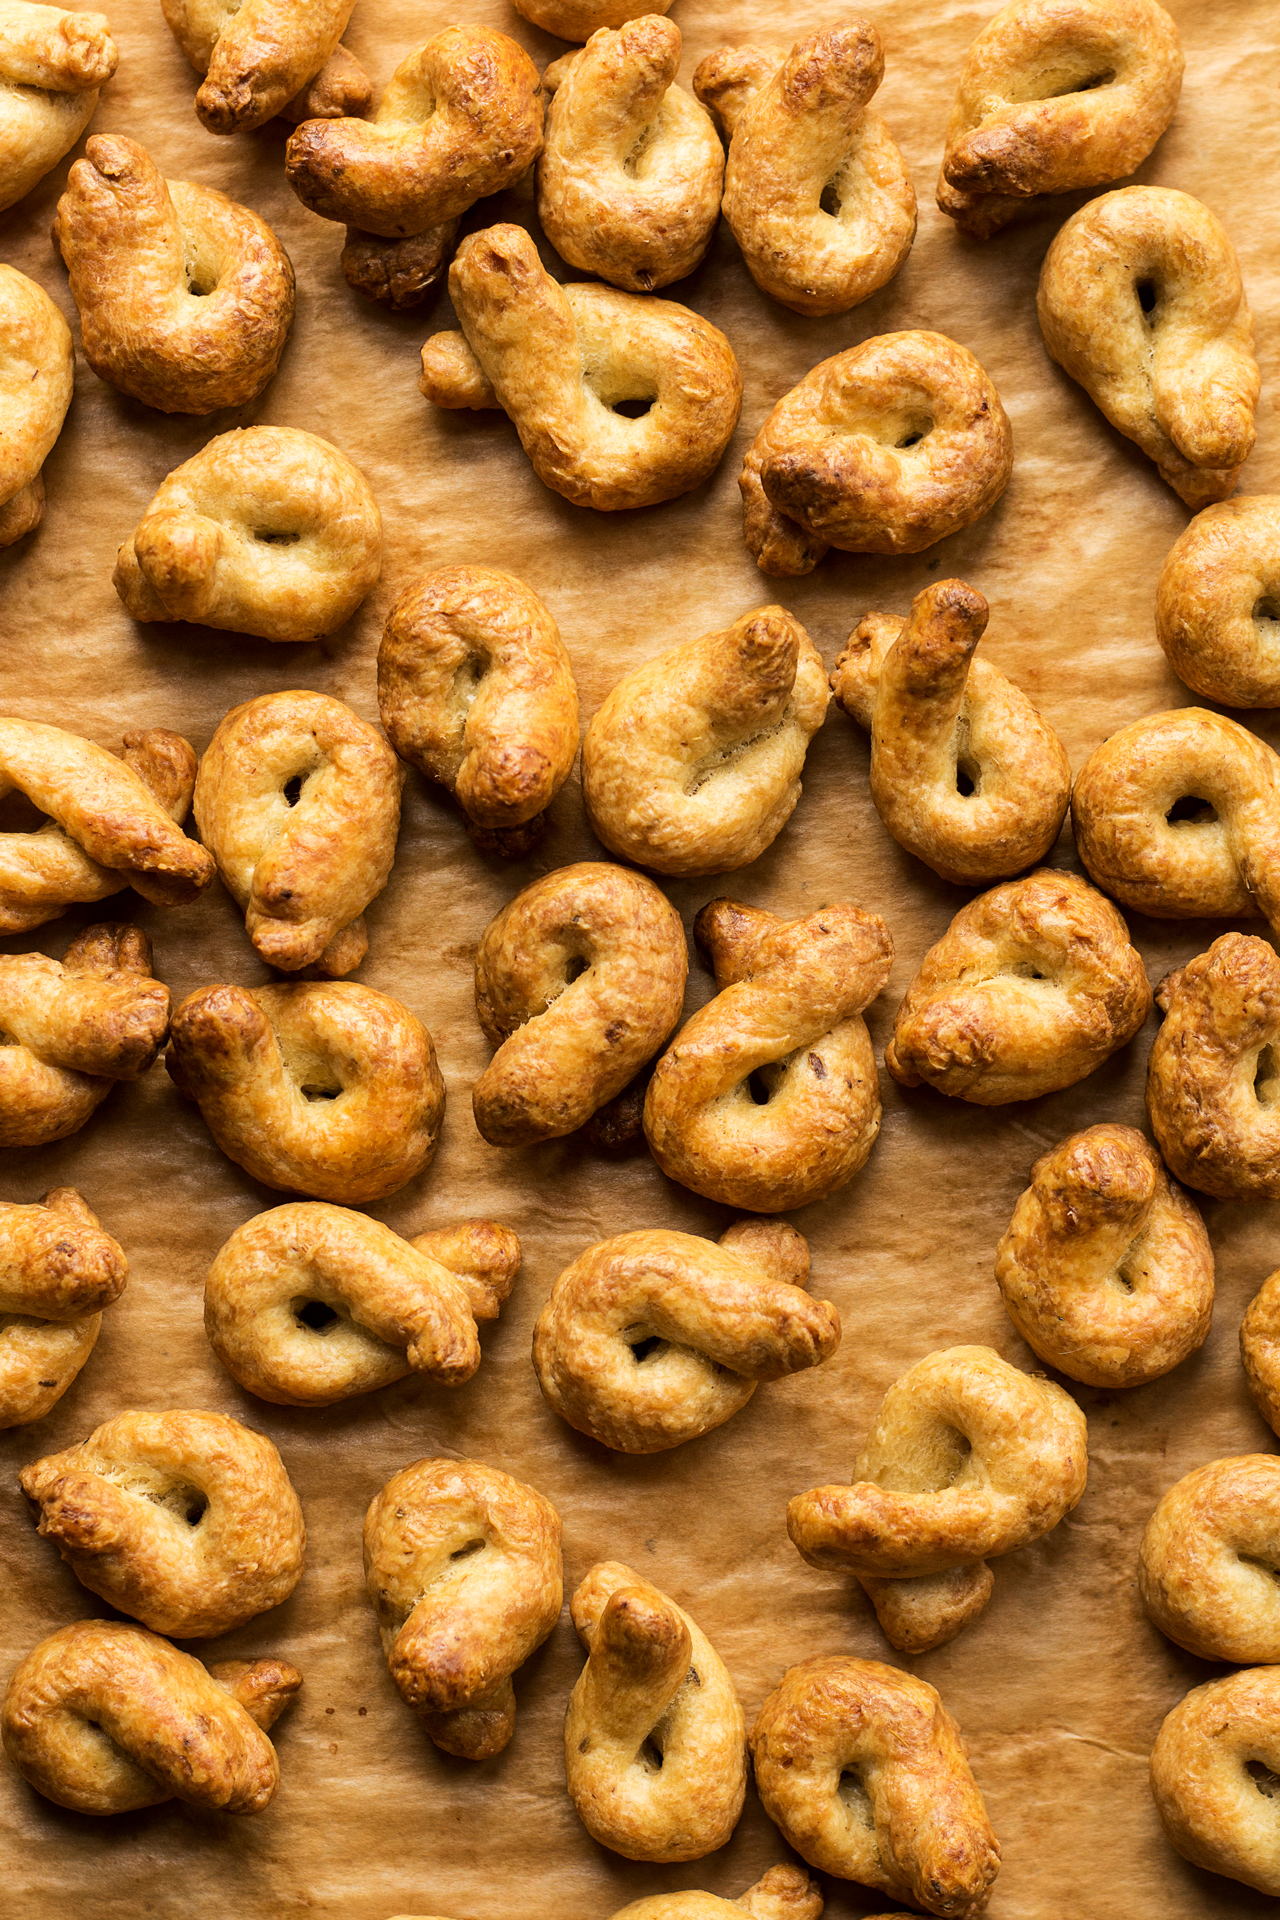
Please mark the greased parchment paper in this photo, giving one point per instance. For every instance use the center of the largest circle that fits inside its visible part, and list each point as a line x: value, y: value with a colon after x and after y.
x: 1061, y: 1684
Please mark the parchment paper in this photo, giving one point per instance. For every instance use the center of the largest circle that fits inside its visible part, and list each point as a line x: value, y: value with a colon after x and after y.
x: 1062, y: 1683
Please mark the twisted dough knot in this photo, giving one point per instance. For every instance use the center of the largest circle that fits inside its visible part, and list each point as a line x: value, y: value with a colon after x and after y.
x: 1210, y: 1557
x: 1141, y: 302
x: 326, y: 1088
x: 185, y: 297
x: 651, y: 1339
x: 1260, y: 1349
x: 655, y: 1748
x: 885, y: 448
x: 51, y: 67
x: 968, y: 1458
x: 266, y: 530
x: 105, y: 1718
x: 788, y: 1020
x: 298, y: 800
x: 816, y: 193
x: 693, y: 763
x: 186, y: 1520
x: 1105, y: 1268
x: 1218, y: 602
x: 264, y: 57
x: 865, y: 1773
x: 1213, y: 1771
x: 964, y: 772
x: 58, y: 1271
x: 1032, y: 987
x: 1053, y: 95
x: 309, y: 1304
x: 37, y: 372
x: 579, y: 19
x: 476, y: 689
x: 578, y: 982
x: 463, y: 1567
x: 563, y: 363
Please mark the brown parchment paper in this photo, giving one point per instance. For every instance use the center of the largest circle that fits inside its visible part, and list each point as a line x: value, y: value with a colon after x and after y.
x: 1062, y: 1683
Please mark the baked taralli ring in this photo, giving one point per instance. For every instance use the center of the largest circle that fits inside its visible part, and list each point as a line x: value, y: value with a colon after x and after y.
x: 265, y: 57
x: 52, y: 65
x: 1218, y: 602
x: 37, y: 373
x: 1260, y: 1350
x: 579, y: 19
x: 59, y: 1271
x: 784, y: 1893
x: 1208, y: 1560
x: 1211, y: 1768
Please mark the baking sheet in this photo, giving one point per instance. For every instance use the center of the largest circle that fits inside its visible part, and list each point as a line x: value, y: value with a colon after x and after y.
x: 1062, y: 1683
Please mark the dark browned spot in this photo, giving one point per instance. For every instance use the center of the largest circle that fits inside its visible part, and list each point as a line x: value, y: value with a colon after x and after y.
x: 818, y: 1068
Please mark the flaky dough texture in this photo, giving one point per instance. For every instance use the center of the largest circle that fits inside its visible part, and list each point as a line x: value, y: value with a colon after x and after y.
x: 260, y: 55
x: 1218, y: 602
x: 37, y: 372
x: 579, y: 19
x: 52, y: 65
x: 58, y: 1272
x: 1211, y: 1768
x: 1208, y: 1564
x: 1260, y: 1349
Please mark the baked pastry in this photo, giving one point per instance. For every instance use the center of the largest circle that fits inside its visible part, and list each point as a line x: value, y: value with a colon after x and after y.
x: 37, y: 372
x: 651, y: 1339
x: 655, y: 1749
x: 1260, y: 1349
x: 325, y: 1088
x: 52, y: 65
x: 400, y: 274
x: 866, y: 1775
x: 579, y: 19
x: 1032, y: 986
x: 619, y: 401
x: 886, y: 448
x: 964, y: 772
x: 105, y: 1718
x: 1218, y: 602
x: 786, y: 1024
x: 309, y: 1304
x: 784, y: 1893
x: 1055, y: 95
x: 1140, y: 301
x: 1212, y: 1767
x: 968, y: 1458
x: 693, y: 762
x: 1207, y: 1564
x: 476, y: 690
x: 298, y: 801
x: 265, y: 57
x: 185, y: 297
x: 1105, y: 1268
x: 463, y: 1567
x: 816, y: 193
x: 579, y: 980
x: 266, y: 530
x: 58, y: 1271
x: 630, y: 175
x: 188, y: 1521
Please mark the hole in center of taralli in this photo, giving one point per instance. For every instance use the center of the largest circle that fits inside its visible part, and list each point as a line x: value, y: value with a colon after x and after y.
x: 197, y: 1507
x: 647, y: 1344
x: 1266, y: 1076
x: 1264, y: 1779
x: 651, y: 1754
x: 1268, y: 609
x: 855, y: 1797
x: 1148, y: 293
x: 1191, y: 811
x: 293, y: 790
x: 312, y: 1094
x: 276, y: 539
x: 633, y: 409
x: 966, y: 779
x: 465, y: 1552
x: 758, y: 1087
x: 830, y: 199
x: 20, y: 815
x: 318, y: 1315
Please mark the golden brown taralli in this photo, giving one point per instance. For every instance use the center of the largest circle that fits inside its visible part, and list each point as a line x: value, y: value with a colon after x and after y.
x: 579, y: 19
x: 784, y: 1893
x: 1218, y: 602
x: 1211, y: 1768
x: 37, y: 371
x: 1208, y: 1564
x: 58, y: 1272
x: 264, y: 57
x: 1260, y: 1349
x: 52, y: 65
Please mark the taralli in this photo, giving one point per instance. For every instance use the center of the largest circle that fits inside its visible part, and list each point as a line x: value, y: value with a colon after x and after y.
x: 476, y: 690
x: 1218, y: 602
x: 968, y: 1458
x: 310, y: 1304
x: 266, y: 530
x: 58, y: 1272
x: 1055, y: 95
x: 1141, y: 302
x: 816, y: 193
x: 865, y: 1773
x: 618, y: 401
x: 399, y: 274
x: 188, y: 1521
x: 887, y: 448
x: 1209, y: 1559
x: 785, y: 1893
x: 326, y: 1088
x: 1106, y: 1269
x: 578, y: 983
x: 185, y: 297
x: 788, y: 1022
x: 462, y: 1564
x: 1213, y: 1768
x: 264, y: 57
x: 693, y: 763
x: 655, y: 1748
x: 1032, y: 987
x: 52, y: 65
x: 964, y: 772
x: 653, y: 1338
x: 37, y: 372
x: 579, y: 19
x: 1260, y: 1349
x: 105, y: 1718
x: 298, y: 800
x: 73, y: 1028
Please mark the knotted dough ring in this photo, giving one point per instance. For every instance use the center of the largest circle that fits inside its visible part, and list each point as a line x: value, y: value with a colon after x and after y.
x: 1032, y: 987
x: 563, y: 361
x: 298, y: 800
x: 105, y: 1718
x: 787, y: 1019
x: 1105, y: 1268
x: 886, y: 448
x: 816, y: 193
x: 1208, y: 1565
x: 1260, y: 1349
x: 785, y: 1893
x: 968, y: 1458
x: 654, y: 1338
x: 326, y: 1088
x: 1213, y: 1769
x: 1218, y: 602
x: 866, y: 1775
x: 37, y: 372
x: 185, y: 297
x: 51, y: 67
x: 309, y: 1304
x: 463, y: 1567
x: 261, y: 56
x: 655, y: 1748
x: 188, y: 1521
x: 964, y: 772
x: 1141, y: 302
x: 58, y: 1271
